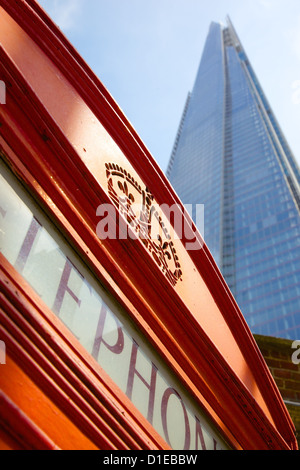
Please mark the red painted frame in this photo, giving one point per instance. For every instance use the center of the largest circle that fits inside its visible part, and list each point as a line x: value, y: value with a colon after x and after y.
x: 31, y: 141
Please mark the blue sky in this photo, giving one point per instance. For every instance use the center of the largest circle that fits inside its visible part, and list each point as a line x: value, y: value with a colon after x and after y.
x: 146, y: 53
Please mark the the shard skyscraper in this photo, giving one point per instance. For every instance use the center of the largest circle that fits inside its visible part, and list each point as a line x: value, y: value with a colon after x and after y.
x: 230, y: 155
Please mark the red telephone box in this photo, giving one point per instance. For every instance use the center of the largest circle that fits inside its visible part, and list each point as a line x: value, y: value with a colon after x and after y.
x: 116, y: 325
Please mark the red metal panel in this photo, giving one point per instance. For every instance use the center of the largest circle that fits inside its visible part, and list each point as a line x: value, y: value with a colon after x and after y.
x: 23, y: 432
x: 67, y: 386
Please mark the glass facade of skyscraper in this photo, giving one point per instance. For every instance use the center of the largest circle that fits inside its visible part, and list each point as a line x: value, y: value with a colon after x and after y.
x: 231, y: 156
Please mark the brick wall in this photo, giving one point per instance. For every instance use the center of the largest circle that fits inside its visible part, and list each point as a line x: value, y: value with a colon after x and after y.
x: 277, y: 353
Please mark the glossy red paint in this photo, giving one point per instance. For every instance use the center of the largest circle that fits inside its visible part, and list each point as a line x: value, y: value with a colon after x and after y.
x: 57, y: 120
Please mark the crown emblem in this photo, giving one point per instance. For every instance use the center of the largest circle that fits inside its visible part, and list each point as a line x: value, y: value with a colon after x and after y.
x: 137, y: 206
